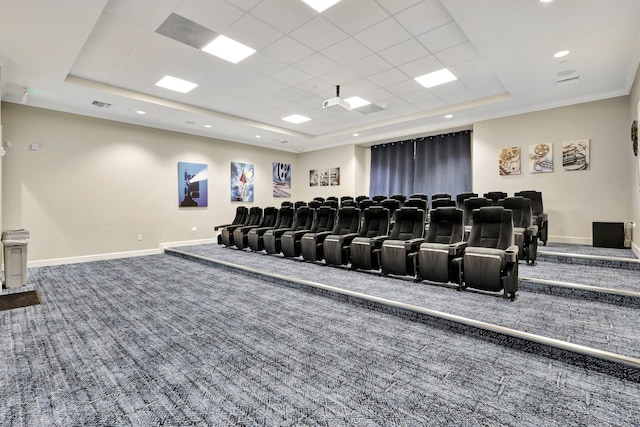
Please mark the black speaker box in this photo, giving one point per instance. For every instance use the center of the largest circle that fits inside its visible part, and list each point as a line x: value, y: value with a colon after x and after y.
x: 608, y: 235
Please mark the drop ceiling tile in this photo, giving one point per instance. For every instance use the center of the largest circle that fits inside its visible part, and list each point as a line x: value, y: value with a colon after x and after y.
x: 217, y: 15
x: 487, y: 86
x: 264, y: 64
x: 459, y: 97
x: 294, y: 95
x: 341, y: 76
x: 448, y: 88
x: 430, y: 104
x: 473, y: 68
x: 316, y: 65
x: 421, y: 66
x: 443, y: 37
x: 292, y: 76
x: 388, y: 77
x: 403, y: 87
x: 458, y: 54
x: 370, y: 65
x: 424, y: 16
x: 284, y: 18
x: 288, y: 50
x: 347, y: 51
x: 348, y: 15
x: 318, y: 34
x: 378, y: 96
x: 142, y: 13
x: 404, y: 52
x: 315, y: 86
x: 260, y: 36
x: 418, y: 96
x: 361, y: 88
x: 244, y: 4
x: 395, y: 6
x: 383, y: 35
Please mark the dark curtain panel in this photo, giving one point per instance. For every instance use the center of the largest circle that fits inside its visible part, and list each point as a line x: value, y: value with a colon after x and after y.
x: 443, y: 164
x: 392, y: 168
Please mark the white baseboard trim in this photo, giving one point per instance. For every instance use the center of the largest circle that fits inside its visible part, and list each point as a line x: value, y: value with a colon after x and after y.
x: 116, y: 255
x: 636, y: 249
x: 571, y: 239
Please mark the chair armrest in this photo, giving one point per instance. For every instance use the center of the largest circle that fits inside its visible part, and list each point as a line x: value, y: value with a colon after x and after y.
x: 457, y: 248
x: 533, y: 230
x: 322, y: 235
x: 413, y: 244
x: 217, y: 227
x: 511, y: 253
x: 377, y: 241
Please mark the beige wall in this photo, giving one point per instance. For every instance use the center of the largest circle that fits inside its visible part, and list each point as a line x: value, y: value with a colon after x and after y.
x: 573, y: 200
x: 350, y: 159
x: 634, y: 162
x: 95, y: 185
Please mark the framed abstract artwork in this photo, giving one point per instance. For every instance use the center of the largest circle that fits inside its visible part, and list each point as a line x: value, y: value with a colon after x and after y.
x: 509, y: 161
x: 192, y: 185
x: 541, y: 158
x: 281, y: 179
x: 241, y: 182
x: 575, y: 155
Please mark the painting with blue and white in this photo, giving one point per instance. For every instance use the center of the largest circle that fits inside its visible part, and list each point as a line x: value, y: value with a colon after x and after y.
x: 281, y: 179
x: 241, y: 182
x: 192, y: 185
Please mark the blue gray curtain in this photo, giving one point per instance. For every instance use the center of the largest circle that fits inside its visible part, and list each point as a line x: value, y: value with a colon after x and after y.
x: 443, y: 164
x: 392, y: 168
x: 433, y: 164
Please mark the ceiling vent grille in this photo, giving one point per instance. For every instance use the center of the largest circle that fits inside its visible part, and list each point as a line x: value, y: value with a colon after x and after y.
x: 101, y: 104
x: 567, y: 80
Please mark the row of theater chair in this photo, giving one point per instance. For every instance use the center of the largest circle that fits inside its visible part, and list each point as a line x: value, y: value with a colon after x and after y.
x: 487, y: 260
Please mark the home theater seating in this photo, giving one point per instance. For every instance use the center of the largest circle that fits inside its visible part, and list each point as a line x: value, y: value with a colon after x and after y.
x: 465, y: 240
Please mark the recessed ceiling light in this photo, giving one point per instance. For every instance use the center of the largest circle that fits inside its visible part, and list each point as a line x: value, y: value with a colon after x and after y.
x: 320, y: 5
x: 356, y: 101
x: 174, y: 83
x: 207, y: 126
x: 356, y: 134
x: 448, y: 116
x: 141, y: 112
x: 436, y: 78
x: 561, y: 54
x: 296, y: 118
x: 546, y: 1
x: 228, y: 49
x: 258, y: 136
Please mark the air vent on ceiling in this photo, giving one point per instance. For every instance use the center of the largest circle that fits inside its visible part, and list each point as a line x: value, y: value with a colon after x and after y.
x: 185, y: 31
x: 567, y: 80
x: 284, y: 142
x: 101, y: 104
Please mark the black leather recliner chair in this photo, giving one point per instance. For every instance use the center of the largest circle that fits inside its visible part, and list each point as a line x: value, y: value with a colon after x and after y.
x: 490, y: 260
x: 241, y: 216
x: 378, y: 197
x: 255, y: 237
x: 301, y: 221
x: 442, y: 203
x: 442, y: 245
x: 253, y: 218
x: 405, y: 238
x: 494, y: 196
x: 313, y: 245
x: 460, y: 198
x: 469, y: 205
x: 364, y: 250
x: 541, y: 219
x: 525, y: 232
x: 321, y: 220
x: 241, y: 234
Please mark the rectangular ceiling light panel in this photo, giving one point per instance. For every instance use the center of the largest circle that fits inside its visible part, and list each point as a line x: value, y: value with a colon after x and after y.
x: 356, y: 102
x: 228, y: 49
x: 320, y: 5
x: 436, y: 78
x: 174, y: 83
x: 296, y: 119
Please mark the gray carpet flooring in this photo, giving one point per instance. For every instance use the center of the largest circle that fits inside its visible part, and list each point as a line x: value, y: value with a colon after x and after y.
x: 161, y: 340
x: 597, y: 321
x: 587, y: 250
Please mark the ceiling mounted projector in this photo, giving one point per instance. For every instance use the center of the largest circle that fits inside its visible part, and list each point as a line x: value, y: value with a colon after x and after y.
x: 336, y: 100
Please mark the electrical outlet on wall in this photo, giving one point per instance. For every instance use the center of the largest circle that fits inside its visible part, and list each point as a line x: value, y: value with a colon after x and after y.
x: 139, y: 237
